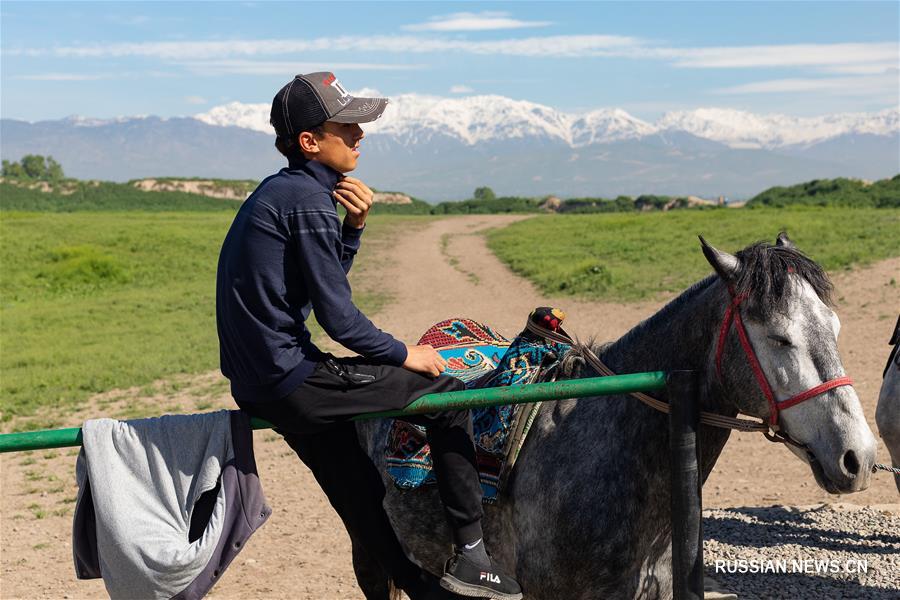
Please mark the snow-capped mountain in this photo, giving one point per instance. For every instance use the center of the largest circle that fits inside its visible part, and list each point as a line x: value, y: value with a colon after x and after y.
x: 443, y: 148
x: 80, y: 121
x: 236, y: 114
x: 471, y: 120
x: 411, y: 116
x: 608, y: 125
x: 739, y: 129
x: 414, y: 118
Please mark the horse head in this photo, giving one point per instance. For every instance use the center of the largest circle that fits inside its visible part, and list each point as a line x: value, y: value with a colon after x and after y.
x: 777, y: 359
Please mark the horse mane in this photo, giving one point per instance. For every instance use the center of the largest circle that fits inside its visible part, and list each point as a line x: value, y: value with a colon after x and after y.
x: 765, y: 275
x: 572, y: 365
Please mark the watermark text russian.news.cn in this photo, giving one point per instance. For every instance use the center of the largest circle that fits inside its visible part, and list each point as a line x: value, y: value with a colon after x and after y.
x: 796, y: 565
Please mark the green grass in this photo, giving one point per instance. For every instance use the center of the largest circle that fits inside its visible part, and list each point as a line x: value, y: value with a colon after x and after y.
x: 630, y: 257
x: 94, y: 301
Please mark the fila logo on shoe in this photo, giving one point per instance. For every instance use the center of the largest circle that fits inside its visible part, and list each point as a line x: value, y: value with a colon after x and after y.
x: 485, y: 576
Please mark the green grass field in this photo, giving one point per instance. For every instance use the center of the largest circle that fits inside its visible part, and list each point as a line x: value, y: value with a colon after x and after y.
x: 93, y: 301
x: 98, y: 300
x: 635, y: 256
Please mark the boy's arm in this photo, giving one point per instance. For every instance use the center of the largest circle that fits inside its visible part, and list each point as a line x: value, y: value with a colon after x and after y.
x: 350, y: 240
x: 319, y: 246
x: 356, y: 197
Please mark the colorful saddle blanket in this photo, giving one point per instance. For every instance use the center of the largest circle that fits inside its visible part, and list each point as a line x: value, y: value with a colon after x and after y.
x: 480, y: 357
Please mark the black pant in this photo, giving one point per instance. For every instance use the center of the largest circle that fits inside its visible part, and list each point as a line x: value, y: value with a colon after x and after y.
x: 314, y: 421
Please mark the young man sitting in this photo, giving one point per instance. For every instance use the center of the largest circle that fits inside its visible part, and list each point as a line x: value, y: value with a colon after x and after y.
x: 288, y: 253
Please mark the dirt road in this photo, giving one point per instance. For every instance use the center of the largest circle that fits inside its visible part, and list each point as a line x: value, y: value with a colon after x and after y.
x: 435, y: 272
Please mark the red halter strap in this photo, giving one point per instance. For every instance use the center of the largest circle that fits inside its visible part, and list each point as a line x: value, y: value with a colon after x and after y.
x: 733, y: 315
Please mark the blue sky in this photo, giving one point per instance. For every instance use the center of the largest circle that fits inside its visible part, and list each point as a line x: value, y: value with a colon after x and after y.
x: 165, y: 58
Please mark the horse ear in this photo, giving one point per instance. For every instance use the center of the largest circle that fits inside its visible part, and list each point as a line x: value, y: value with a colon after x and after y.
x: 784, y: 241
x: 726, y: 265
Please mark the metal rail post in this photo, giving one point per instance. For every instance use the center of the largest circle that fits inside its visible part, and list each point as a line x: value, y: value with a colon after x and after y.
x: 684, y: 456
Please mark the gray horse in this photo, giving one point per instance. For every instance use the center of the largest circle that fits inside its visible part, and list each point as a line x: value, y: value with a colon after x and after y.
x: 887, y: 415
x: 586, y: 511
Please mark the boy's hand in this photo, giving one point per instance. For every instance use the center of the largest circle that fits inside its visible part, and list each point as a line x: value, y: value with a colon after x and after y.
x: 424, y: 360
x: 356, y: 197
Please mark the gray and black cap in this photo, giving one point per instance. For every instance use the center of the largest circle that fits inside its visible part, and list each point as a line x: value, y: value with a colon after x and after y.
x: 310, y: 100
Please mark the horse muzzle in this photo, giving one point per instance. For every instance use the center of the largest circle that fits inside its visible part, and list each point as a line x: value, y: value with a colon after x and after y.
x: 845, y: 474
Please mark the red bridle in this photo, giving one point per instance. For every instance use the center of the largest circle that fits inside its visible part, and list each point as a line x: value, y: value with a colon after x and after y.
x: 732, y: 314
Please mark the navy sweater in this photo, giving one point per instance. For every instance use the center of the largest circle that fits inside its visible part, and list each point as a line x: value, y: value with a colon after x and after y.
x: 285, y: 255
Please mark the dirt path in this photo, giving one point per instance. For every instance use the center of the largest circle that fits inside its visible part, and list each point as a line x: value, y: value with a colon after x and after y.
x: 435, y: 272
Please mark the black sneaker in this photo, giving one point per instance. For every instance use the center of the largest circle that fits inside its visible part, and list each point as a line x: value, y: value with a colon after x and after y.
x: 463, y: 577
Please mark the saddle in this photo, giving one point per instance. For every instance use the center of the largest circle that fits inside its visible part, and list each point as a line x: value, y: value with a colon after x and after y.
x: 482, y: 358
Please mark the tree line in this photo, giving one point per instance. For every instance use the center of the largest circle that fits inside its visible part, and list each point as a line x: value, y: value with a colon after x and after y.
x: 842, y: 191
x: 34, y: 167
x: 821, y: 192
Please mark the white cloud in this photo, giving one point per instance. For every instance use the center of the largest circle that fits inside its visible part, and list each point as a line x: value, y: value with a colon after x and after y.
x: 562, y: 45
x: 544, y: 46
x: 94, y: 76
x: 235, y: 56
x: 839, y: 86
x: 286, y: 68
x: 195, y: 100
x: 366, y: 92
x: 461, y: 89
x: 557, y: 45
x: 62, y: 77
x: 787, y: 55
x: 466, y: 21
x: 870, y: 69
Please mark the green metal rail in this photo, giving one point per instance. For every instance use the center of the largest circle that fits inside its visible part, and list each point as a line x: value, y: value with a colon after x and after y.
x: 478, y: 398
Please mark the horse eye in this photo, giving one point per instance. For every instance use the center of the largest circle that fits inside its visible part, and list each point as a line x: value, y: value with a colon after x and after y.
x: 781, y: 341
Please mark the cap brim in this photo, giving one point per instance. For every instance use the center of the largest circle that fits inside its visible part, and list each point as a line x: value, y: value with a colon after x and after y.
x: 361, y: 110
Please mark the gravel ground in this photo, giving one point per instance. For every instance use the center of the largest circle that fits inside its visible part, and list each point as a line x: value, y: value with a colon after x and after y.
x: 805, y: 552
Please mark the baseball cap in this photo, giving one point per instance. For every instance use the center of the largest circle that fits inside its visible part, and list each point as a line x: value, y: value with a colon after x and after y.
x: 310, y: 100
